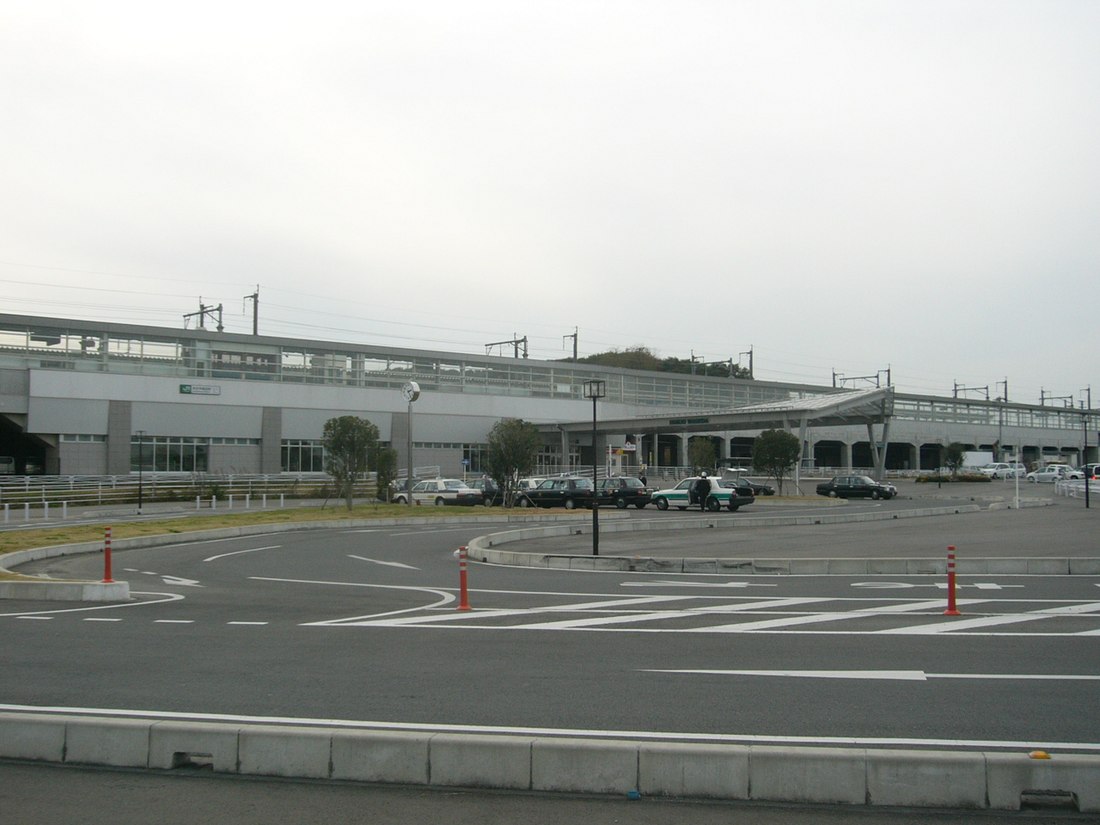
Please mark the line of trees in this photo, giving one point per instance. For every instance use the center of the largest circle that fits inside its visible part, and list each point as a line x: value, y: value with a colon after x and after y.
x: 352, y: 450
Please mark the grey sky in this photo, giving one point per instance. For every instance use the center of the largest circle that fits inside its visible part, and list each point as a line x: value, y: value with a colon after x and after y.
x: 840, y: 185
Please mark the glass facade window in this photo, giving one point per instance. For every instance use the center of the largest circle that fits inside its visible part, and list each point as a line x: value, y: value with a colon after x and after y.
x: 170, y: 454
x: 475, y: 457
x: 303, y: 456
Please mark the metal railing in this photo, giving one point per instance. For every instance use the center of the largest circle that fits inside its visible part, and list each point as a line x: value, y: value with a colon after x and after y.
x: 42, y: 491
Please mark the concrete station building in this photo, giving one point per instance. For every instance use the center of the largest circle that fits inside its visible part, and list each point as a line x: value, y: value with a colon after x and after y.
x: 88, y: 398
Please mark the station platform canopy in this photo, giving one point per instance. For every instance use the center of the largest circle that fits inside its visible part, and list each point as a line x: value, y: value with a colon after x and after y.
x: 841, y: 408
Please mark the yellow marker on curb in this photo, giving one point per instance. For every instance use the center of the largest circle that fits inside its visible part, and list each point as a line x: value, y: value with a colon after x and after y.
x: 1039, y: 755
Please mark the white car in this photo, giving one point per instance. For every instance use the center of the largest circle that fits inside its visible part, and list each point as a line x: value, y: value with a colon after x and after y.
x: 1054, y: 472
x: 1003, y: 469
x: 440, y: 491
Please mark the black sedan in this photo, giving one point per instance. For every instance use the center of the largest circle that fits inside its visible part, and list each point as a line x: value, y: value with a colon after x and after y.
x: 622, y: 492
x: 558, y: 492
x: 856, y: 487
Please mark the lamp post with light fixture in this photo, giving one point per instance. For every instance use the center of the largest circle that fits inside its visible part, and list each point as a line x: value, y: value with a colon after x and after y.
x: 141, y: 468
x: 411, y: 391
x: 595, y: 388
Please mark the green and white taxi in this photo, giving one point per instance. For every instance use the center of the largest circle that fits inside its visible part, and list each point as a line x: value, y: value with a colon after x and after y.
x: 721, y: 496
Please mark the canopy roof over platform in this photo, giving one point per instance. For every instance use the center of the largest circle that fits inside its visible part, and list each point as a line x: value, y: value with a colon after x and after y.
x: 842, y: 408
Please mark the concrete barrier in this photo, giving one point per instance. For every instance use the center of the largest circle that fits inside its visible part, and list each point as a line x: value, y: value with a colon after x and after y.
x: 822, y: 775
x: 848, y: 775
x: 942, y: 780
x: 584, y: 766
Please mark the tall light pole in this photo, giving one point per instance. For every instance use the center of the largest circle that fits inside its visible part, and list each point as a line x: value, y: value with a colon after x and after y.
x: 1085, y: 454
x: 141, y: 468
x: 595, y: 388
x: 411, y: 391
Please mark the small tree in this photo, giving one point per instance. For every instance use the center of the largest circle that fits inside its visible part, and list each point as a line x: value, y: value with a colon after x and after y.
x: 701, y: 453
x: 384, y: 461
x: 513, y: 447
x: 774, y: 453
x: 349, y: 442
x: 954, y: 456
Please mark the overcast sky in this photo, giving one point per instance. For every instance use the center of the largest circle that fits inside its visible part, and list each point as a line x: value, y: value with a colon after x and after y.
x: 841, y: 186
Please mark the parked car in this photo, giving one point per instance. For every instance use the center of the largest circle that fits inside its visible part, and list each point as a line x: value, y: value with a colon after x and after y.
x: 441, y: 491
x: 568, y: 492
x: 624, y: 491
x: 491, y: 494
x: 1091, y: 471
x: 856, y: 487
x: 741, y: 474
x: 759, y: 488
x: 1004, y: 469
x: 720, y: 496
x: 400, y: 486
x: 1054, y: 472
x: 744, y: 491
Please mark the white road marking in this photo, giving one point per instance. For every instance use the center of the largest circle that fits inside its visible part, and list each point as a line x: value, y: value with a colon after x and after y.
x: 888, y: 675
x: 833, y: 616
x: 93, y: 619
x: 739, y: 584
x: 732, y: 738
x: 173, y: 621
x: 966, y: 624
x: 168, y: 597
x: 940, y: 585
x: 176, y: 580
x: 38, y: 618
x: 258, y: 624
x: 386, y: 563
x: 239, y: 552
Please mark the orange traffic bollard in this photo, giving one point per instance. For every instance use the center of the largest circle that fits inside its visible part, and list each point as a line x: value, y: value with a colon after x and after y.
x: 107, y: 556
x: 952, y: 608
x: 463, y: 595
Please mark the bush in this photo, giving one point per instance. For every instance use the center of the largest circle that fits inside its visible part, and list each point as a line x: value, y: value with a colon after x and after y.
x: 936, y: 478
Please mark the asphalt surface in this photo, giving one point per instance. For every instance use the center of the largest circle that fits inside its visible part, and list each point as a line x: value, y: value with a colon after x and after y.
x: 306, y: 629
x: 359, y: 624
x: 1065, y: 528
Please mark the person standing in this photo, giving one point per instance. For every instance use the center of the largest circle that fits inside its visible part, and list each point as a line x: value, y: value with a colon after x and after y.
x: 702, y: 491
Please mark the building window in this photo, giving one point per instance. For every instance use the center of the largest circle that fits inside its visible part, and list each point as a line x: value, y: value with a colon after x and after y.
x: 170, y: 454
x: 303, y: 456
x: 475, y: 457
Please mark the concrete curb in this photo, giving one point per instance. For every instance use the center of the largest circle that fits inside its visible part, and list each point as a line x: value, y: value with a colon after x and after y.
x: 856, y: 776
x: 486, y: 549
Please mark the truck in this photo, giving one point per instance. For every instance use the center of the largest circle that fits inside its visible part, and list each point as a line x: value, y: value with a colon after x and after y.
x: 973, y: 459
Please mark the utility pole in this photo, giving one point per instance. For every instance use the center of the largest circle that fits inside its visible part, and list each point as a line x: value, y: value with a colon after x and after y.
x: 203, y: 312
x: 515, y: 342
x: 960, y: 388
x: 749, y: 353
x: 574, y: 337
x: 255, y: 299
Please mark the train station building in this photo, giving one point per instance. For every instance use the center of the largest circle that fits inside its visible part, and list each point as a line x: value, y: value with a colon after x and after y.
x: 87, y: 398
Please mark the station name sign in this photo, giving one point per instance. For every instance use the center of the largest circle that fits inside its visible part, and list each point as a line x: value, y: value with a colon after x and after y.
x: 200, y: 389
x: 681, y: 421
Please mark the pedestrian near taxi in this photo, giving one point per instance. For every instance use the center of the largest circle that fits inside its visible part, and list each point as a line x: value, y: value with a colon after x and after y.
x: 702, y: 491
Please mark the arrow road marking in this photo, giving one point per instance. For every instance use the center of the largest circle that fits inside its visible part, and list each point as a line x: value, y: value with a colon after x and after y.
x: 386, y: 563
x: 888, y: 675
x: 181, y: 582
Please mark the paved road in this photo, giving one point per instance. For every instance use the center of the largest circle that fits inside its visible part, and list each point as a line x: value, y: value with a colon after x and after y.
x: 62, y: 795
x: 1066, y: 528
x: 361, y: 625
